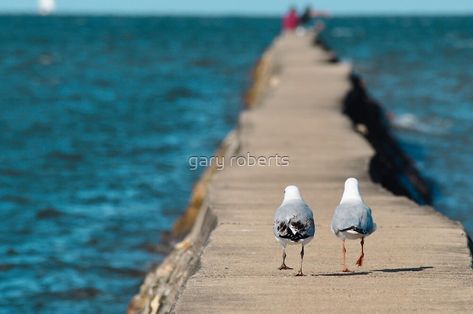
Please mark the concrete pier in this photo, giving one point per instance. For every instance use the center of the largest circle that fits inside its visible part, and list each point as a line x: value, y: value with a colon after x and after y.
x: 417, y: 260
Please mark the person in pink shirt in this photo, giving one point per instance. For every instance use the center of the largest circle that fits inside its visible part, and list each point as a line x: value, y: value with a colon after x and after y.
x: 290, y: 20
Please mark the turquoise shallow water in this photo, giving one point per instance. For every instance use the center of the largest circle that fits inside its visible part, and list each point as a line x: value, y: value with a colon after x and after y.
x: 99, y: 116
x: 420, y: 70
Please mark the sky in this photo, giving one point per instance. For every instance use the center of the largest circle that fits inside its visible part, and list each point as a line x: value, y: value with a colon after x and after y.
x: 255, y: 7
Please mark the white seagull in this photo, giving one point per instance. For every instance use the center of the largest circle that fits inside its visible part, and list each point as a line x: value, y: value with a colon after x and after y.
x: 352, y: 219
x: 293, y: 224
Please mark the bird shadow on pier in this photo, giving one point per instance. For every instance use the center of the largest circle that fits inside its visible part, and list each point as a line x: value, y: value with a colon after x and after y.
x: 352, y: 273
x: 402, y: 270
x: 385, y: 270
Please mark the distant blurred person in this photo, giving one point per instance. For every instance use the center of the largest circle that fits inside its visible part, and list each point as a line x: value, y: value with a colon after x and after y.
x: 306, y: 17
x: 290, y: 20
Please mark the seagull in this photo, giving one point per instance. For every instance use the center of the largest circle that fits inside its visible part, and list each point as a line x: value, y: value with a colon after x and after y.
x: 293, y: 224
x: 352, y: 219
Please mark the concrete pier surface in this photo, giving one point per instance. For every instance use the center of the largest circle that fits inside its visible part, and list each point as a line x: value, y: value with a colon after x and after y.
x: 417, y: 260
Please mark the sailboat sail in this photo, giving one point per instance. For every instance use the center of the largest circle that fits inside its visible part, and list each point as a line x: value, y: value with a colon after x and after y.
x: 46, y: 6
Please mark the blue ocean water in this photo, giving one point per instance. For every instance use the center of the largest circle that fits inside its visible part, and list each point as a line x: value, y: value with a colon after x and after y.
x: 420, y: 69
x: 98, y: 118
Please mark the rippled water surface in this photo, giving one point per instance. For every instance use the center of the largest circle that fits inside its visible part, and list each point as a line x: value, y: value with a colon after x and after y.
x: 421, y: 70
x: 98, y: 117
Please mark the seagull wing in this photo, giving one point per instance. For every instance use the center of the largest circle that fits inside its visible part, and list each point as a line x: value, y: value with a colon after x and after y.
x: 354, y: 216
x: 294, y: 221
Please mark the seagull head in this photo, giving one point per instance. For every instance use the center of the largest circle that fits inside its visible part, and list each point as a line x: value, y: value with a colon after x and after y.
x: 291, y: 192
x: 351, y: 192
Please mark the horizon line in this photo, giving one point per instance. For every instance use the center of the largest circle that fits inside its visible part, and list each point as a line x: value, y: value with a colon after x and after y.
x: 238, y: 14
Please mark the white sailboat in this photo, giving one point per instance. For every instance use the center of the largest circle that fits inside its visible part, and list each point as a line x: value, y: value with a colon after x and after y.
x: 46, y: 7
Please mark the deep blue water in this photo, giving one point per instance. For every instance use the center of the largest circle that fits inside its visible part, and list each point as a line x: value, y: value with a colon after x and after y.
x: 420, y: 69
x: 98, y: 118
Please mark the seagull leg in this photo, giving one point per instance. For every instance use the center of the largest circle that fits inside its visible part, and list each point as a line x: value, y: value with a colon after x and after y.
x: 283, y: 265
x: 359, y: 262
x: 344, y: 254
x: 300, y: 273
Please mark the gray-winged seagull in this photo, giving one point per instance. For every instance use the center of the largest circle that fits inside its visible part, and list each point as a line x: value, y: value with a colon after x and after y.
x: 352, y: 219
x: 293, y: 223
